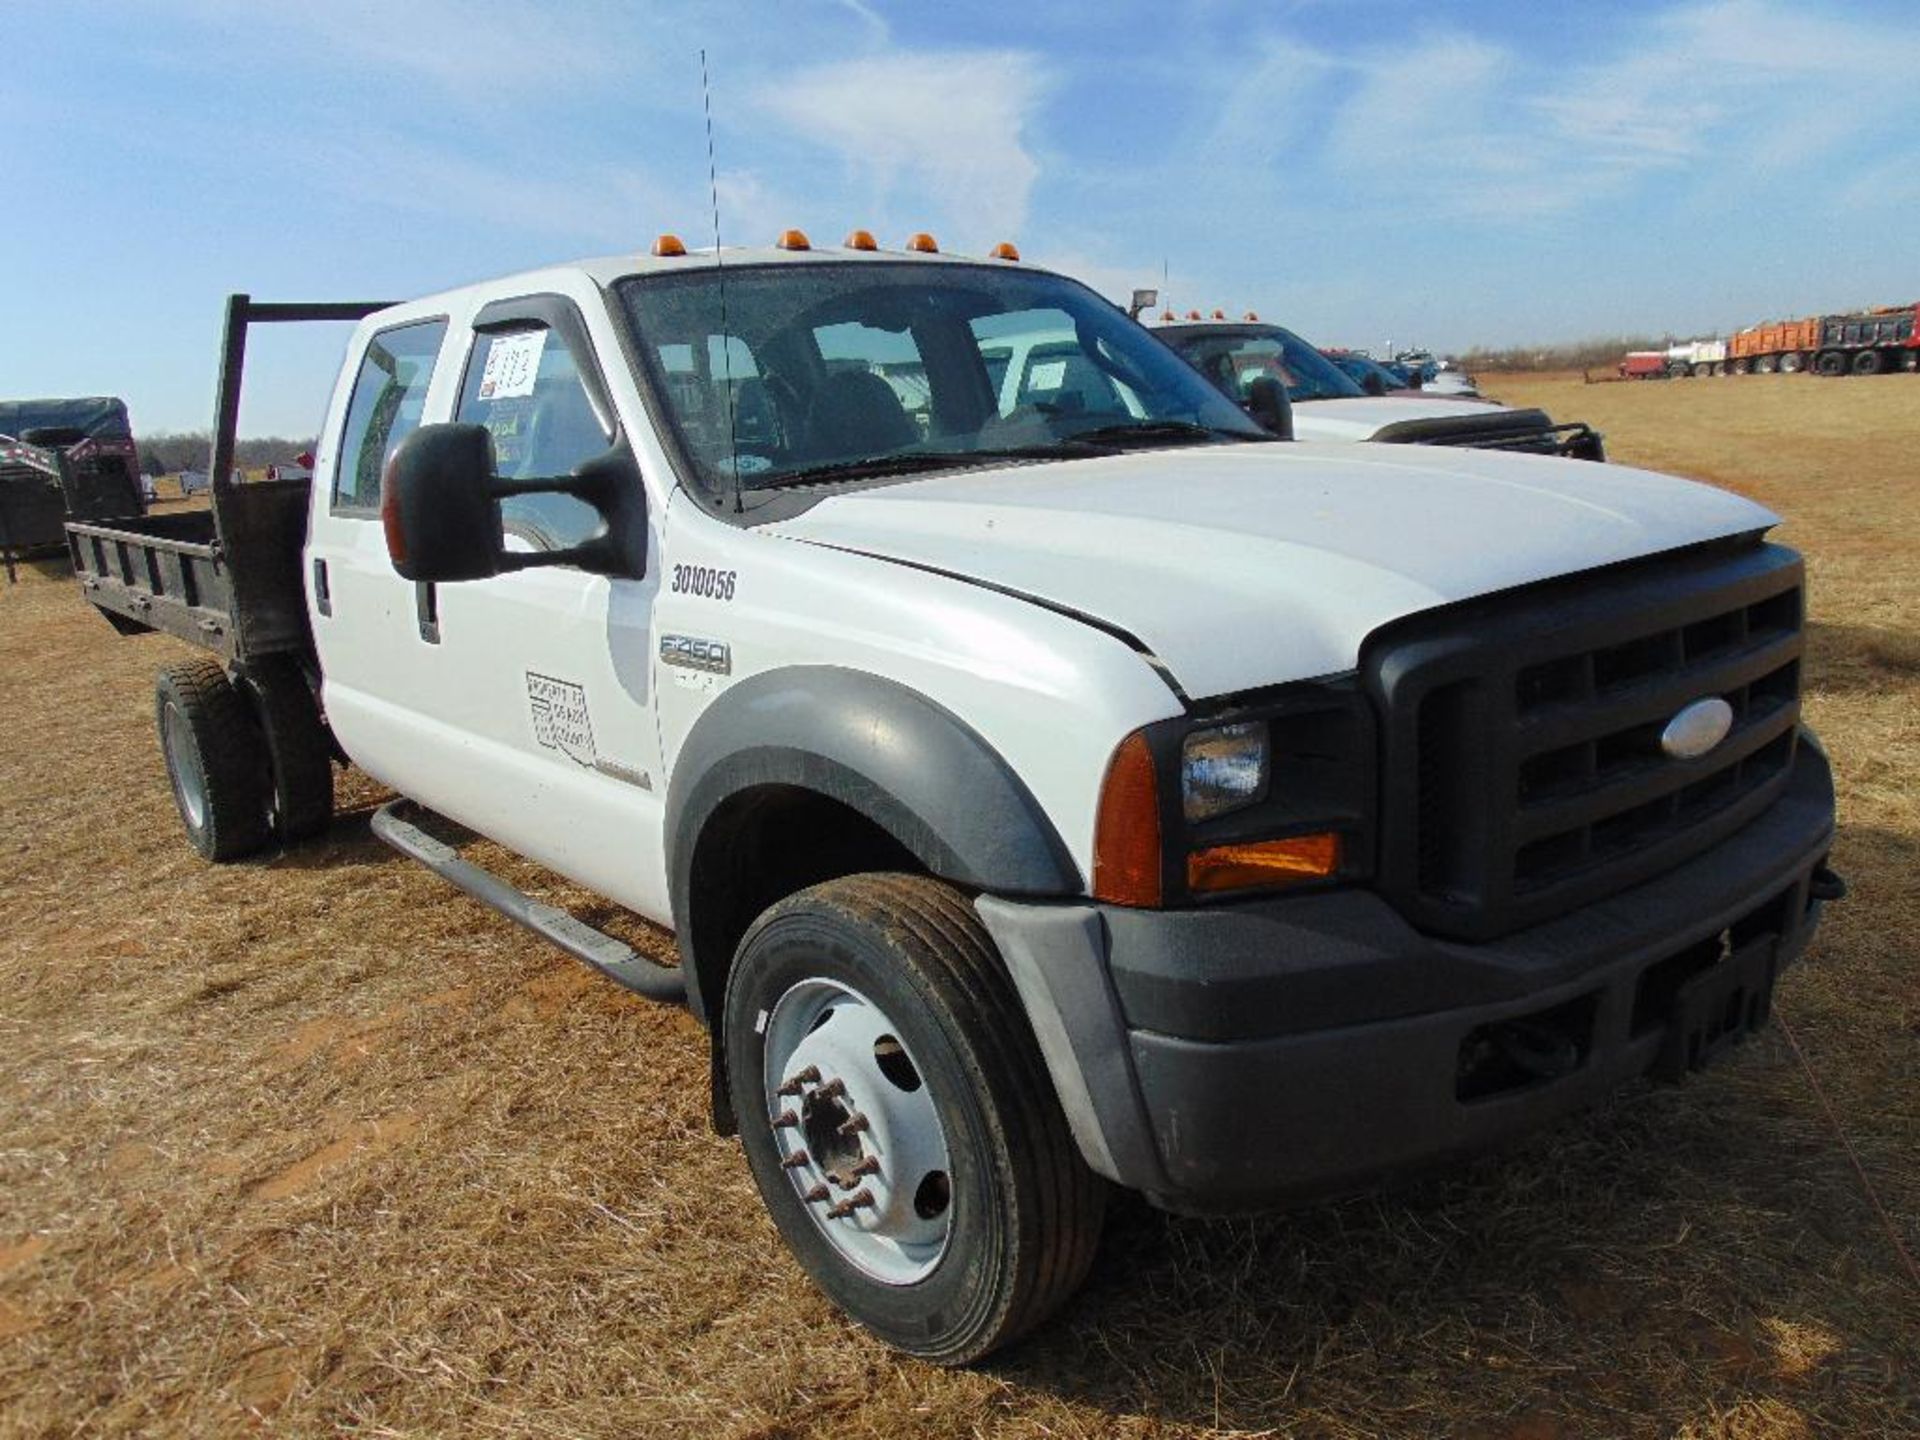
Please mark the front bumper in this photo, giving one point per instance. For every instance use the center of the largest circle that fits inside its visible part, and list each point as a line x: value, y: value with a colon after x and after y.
x: 1234, y: 1057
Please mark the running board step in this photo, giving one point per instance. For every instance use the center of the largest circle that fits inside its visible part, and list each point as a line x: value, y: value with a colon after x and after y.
x: 612, y: 958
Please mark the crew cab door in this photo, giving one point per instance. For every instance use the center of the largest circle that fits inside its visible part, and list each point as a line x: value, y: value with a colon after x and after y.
x: 521, y: 705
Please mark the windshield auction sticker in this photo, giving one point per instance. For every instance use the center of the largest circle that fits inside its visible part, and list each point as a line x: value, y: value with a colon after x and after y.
x: 513, y: 364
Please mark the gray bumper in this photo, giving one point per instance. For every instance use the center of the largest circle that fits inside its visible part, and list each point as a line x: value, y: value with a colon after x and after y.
x: 1237, y: 1056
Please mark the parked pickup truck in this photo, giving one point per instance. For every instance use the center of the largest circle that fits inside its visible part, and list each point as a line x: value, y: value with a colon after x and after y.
x: 1045, y: 797
x: 1328, y: 404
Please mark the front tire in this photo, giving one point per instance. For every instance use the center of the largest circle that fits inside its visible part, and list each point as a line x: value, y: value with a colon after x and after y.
x: 898, y: 1118
x: 215, y: 759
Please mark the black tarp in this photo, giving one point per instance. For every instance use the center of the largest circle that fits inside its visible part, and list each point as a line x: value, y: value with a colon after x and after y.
x: 102, y: 416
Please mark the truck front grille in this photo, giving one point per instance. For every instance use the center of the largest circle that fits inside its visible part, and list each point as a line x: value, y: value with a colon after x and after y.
x: 1524, y: 772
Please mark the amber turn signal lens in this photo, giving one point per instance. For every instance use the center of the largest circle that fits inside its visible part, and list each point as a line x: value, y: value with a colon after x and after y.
x: 668, y: 246
x: 1266, y: 862
x: 924, y: 243
x: 1126, y: 832
x: 1004, y: 251
x: 1252, y: 316
x: 861, y: 240
x: 793, y: 240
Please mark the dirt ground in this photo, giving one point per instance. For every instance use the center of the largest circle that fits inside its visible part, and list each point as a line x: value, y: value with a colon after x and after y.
x: 316, y: 1144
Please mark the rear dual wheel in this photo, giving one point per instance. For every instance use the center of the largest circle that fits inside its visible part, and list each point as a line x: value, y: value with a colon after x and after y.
x: 248, y: 762
x: 898, y: 1119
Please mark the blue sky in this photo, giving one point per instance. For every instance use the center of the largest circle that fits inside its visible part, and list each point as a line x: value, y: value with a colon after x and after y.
x: 1447, y: 174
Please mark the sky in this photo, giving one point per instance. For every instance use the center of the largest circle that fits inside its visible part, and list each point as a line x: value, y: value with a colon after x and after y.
x: 1441, y: 174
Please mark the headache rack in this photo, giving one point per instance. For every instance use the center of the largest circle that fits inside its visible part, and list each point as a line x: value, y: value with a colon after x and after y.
x: 1526, y: 431
x: 1523, y: 766
x: 226, y: 578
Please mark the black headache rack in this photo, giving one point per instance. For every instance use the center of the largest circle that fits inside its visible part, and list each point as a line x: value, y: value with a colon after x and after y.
x: 1527, y: 431
x: 226, y: 578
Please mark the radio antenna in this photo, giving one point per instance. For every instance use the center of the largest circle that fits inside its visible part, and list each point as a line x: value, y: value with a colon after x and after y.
x: 720, y: 270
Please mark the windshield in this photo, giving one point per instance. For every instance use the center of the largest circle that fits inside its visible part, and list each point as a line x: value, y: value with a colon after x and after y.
x: 828, y: 371
x: 1235, y: 359
x: 1363, y: 369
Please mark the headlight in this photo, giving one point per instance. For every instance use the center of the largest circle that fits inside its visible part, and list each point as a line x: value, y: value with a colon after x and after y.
x: 1223, y: 769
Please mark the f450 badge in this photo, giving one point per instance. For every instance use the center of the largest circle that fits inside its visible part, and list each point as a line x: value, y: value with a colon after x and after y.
x: 690, y: 652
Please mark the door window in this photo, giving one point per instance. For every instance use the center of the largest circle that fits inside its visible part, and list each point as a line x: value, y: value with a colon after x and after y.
x: 389, y: 395
x: 524, y: 386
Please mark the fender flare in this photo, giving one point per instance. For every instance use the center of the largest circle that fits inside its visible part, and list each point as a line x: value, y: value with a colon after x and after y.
x: 909, y: 765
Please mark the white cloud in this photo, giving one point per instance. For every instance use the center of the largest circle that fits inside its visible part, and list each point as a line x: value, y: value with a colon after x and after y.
x: 1453, y: 126
x: 940, y: 131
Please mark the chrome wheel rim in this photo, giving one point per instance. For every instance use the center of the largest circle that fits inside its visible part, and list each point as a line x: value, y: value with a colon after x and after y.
x: 189, y: 780
x: 857, y: 1132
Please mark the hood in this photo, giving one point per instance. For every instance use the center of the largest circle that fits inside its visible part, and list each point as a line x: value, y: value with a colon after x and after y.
x: 1361, y: 419
x: 1248, y: 565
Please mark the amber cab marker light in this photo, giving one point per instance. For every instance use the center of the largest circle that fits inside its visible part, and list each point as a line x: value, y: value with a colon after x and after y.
x: 1219, y: 314
x: 1126, y: 832
x: 1264, y: 862
x: 1004, y: 251
x: 668, y: 247
x: 792, y: 240
x: 1252, y: 316
x: 861, y: 240
x: 1193, y: 314
x: 923, y: 242
x: 1167, y: 317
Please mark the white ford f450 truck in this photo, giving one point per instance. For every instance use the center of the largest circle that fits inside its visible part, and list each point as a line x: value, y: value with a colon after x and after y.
x: 1051, y: 787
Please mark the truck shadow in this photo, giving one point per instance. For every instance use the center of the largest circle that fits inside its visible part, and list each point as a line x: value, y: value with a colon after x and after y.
x: 1853, y: 659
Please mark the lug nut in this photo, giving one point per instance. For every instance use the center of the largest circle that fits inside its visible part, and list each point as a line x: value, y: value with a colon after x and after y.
x: 802, y: 1077
x: 858, y: 1201
x: 816, y: 1195
x: 832, y: 1090
x: 853, y: 1124
x: 795, y: 1160
x: 785, y: 1120
x: 868, y: 1165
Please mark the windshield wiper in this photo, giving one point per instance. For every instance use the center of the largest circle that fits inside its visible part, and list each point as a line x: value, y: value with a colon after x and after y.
x: 1155, y: 431
x: 906, y: 462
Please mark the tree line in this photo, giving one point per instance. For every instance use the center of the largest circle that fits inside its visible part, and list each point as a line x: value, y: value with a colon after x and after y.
x: 167, y: 454
x: 1602, y: 351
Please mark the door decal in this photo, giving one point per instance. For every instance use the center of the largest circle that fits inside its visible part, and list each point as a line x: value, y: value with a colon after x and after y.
x: 560, y: 720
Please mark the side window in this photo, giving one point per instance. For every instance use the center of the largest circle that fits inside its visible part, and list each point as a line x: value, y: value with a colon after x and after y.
x: 389, y: 394
x: 525, y: 387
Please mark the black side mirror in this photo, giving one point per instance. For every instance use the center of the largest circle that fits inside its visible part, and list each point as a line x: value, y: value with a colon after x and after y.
x: 440, y: 506
x: 1267, y: 402
x: 1373, y: 384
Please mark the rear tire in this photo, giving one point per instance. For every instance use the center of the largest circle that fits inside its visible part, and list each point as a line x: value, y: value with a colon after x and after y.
x: 1830, y: 362
x: 1792, y: 363
x: 1869, y: 362
x: 1765, y: 364
x: 1006, y: 1232
x: 300, y: 798
x: 215, y: 759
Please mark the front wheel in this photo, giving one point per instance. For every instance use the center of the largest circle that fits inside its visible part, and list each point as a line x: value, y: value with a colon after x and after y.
x: 898, y: 1118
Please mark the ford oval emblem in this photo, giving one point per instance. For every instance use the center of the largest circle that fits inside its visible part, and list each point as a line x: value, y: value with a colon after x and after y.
x: 1697, y: 729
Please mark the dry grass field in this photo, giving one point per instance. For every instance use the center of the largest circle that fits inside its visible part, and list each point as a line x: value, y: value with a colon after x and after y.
x: 316, y: 1144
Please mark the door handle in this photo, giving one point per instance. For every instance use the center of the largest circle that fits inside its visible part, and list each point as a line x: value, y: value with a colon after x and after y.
x: 322, y: 592
x: 426, y: 610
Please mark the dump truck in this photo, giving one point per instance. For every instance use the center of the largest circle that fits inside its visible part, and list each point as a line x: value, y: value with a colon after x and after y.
x: 1051, y: 789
